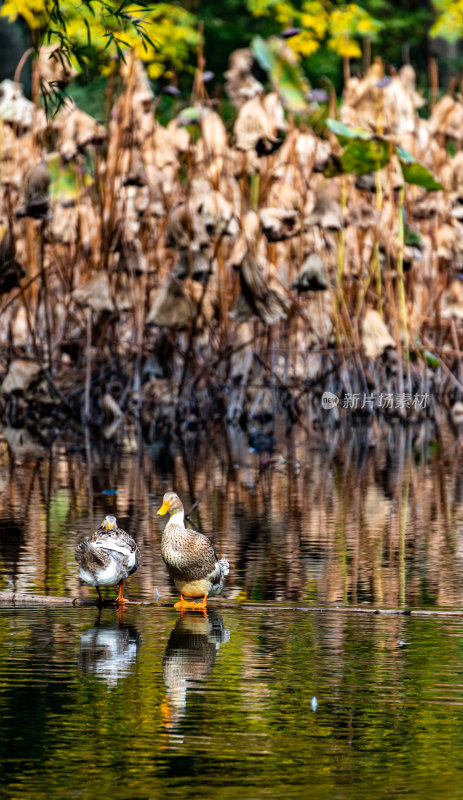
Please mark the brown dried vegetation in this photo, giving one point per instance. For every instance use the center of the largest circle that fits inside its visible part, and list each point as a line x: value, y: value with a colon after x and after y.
x: 189, y: 265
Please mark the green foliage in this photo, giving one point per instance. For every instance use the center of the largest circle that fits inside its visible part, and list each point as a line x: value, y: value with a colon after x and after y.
x: 340, y: 25
x: 91, y: 33
x: 66, y: 179
x: 416, y: 173
x: 449, y: 22
x: 362, y: 156
x: 366, y: 152
x: 347, y: 133
x: 346, y: 25
x: 286, y: 77
x: 166, y: 35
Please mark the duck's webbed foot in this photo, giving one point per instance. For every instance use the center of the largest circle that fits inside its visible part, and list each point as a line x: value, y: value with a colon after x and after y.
x: 183, y: 604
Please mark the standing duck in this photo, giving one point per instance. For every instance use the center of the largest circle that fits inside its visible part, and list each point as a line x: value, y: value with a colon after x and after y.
x: 189, y: 557
x: 108, y: 557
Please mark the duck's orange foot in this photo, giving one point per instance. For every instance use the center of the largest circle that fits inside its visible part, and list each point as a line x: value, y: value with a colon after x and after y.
x: 183, y: 604
x: 120, y: 598
x: 202, y: 604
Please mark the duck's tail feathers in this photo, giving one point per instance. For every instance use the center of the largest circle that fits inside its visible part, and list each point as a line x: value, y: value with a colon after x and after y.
x: 225, y: 565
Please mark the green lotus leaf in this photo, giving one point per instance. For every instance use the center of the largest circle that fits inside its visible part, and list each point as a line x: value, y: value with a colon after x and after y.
x: 416, y: 173
x: 419, y: 175
x: 345, y: 134
x: 263, y: 54
x: 361, y: 156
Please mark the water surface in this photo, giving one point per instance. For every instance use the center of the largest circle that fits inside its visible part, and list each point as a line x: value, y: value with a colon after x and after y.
x: 150, y: 704
x: 355, y: 524
x: 277, y: 701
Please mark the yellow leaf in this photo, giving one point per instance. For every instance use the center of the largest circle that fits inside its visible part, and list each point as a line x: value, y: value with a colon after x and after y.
x: 304, y: 44
x: 347, y: 48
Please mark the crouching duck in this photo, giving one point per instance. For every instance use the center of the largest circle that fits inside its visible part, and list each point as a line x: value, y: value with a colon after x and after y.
x: 189, y: 557
x: 108, y: 557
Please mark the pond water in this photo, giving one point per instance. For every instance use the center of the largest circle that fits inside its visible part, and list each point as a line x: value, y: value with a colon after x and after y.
x: 290, y: 698
x: 266, y: 704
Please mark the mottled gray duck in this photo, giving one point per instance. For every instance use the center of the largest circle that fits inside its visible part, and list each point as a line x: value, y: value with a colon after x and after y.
x: 107, y: 557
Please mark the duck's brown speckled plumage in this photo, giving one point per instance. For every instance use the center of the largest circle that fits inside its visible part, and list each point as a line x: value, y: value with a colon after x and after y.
x: 189, y: 556
x: 107, y: 557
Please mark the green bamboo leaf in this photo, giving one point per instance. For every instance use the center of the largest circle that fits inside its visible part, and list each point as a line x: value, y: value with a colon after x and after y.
x: 89, y: 37
x: 120, y: 52
x: 146, y: 38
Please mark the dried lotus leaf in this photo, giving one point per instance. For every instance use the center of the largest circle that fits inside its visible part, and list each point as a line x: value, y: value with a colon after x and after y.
x: 451, y: 301
x: 375, y: 335
x: 312, y: 275
x: 279, y: 224
x: 21, y: 374
x: 53, y: 68
x: 254, y: 128
x: 327, y: 212
x: 240, y: 83
x: 214, y: 135
x: 171, y: 308
x: 95, y: 293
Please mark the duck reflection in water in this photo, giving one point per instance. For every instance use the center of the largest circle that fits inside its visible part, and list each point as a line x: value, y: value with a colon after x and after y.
x: 109, y: 650
x: 188, y: 660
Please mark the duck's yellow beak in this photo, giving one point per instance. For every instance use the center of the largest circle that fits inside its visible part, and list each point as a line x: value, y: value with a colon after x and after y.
x: 164, y: 508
